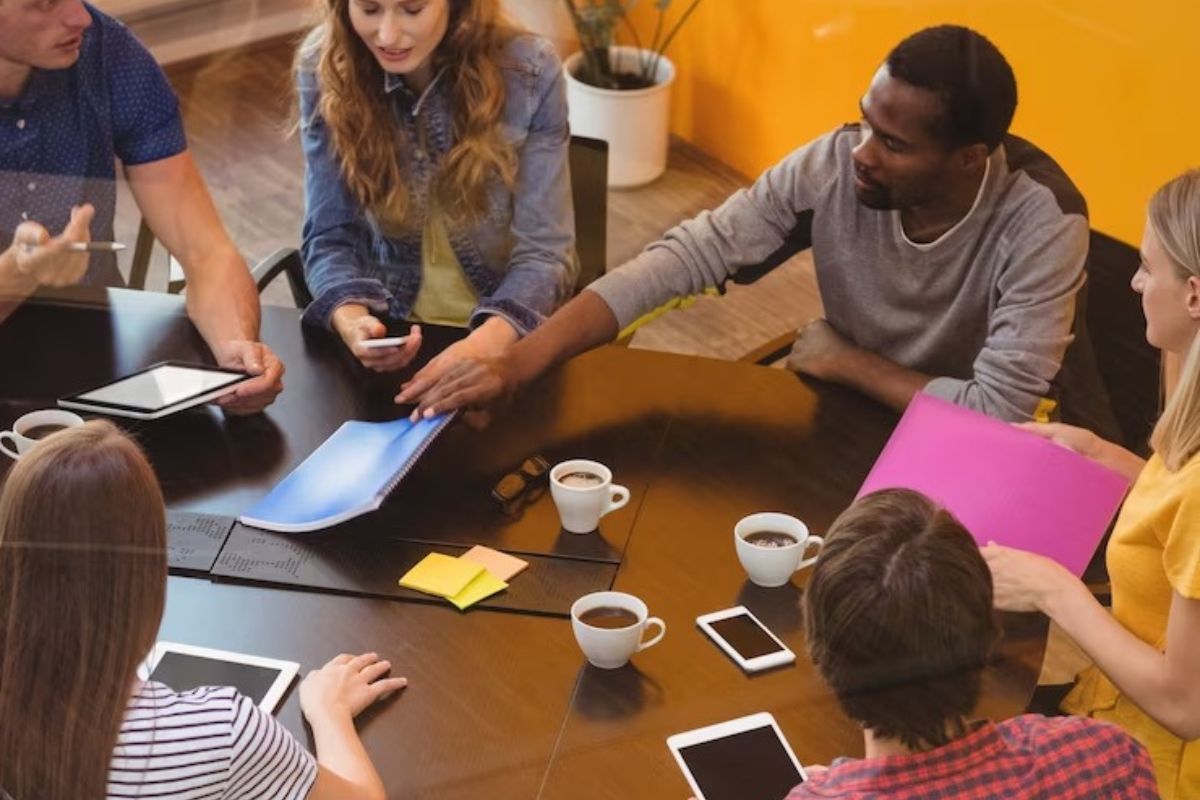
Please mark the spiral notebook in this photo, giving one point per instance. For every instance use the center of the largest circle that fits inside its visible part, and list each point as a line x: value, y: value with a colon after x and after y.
x: 348, y: 475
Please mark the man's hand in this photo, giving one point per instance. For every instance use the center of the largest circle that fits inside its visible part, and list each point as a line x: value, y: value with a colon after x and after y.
x: 45, y: 260
x: 476, y: 360
x: 355, y: 324
x: 256, y: 359
x: 817, y: 350
x: 475, y: 384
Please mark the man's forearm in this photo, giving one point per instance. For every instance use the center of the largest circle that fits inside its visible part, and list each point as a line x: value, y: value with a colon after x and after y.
x: 222, y: 299
x: 877, y: 377
x: 582, y: 324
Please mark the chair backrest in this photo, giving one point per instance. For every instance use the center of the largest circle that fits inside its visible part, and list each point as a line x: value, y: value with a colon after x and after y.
x: 589, y: 191
x: 288, y: 261
x: 1129, y: 365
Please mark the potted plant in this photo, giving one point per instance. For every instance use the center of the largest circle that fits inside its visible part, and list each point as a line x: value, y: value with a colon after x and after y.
x: 622, y: 93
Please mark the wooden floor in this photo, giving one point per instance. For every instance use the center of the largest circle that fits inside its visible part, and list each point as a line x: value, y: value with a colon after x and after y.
x: 239, y: 107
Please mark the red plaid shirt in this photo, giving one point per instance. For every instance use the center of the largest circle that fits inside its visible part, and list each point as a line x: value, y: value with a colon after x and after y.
x: 1026, y: 757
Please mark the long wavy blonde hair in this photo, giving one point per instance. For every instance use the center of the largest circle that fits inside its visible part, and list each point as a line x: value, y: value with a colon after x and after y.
x: 83, y: 579
x: 1174, y: 215
x: 367, y: 140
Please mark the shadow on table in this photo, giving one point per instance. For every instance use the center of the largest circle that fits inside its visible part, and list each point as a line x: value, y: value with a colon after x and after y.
x: 614, y: 694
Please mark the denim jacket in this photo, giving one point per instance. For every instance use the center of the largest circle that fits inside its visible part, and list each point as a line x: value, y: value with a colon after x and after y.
x: 519, y: 256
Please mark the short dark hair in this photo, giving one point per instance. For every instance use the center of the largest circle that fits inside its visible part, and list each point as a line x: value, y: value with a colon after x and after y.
x: 973, y: 81
x: 898, y: 617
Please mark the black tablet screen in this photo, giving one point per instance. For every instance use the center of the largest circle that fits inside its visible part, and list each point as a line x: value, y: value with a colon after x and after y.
x: 751, y: 765
x: 183, y: 672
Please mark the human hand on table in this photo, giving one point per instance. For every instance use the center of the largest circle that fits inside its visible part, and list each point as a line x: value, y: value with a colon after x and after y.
x: 44, y: 259
x: 256, y: 359
x: 817, y: 350
x: 356, y: 325
x: 346, y: 686
x: 472, y: 373
x: 1024, y: 581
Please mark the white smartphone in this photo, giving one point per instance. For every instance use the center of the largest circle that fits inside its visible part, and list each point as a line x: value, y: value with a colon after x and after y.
x: 742, y: 759
x: 185, y: 667
x: 380, y: 344
x: 744, y: 639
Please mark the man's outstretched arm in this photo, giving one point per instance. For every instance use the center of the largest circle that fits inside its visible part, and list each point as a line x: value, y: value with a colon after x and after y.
x: 582, y: 324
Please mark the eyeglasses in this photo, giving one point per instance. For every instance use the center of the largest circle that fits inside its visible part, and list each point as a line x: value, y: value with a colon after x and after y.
x: 522, y: 486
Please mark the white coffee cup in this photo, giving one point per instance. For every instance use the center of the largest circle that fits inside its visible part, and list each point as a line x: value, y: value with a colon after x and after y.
x: 34, y: 419
x: 582, y: 504
x: 774, y: 566
x: 609, y: 648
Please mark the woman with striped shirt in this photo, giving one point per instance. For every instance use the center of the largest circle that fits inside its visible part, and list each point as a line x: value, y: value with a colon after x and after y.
x: 82, y: 589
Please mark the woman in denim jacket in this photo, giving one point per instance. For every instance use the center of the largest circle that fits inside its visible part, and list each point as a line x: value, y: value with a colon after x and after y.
x: 437, y: 185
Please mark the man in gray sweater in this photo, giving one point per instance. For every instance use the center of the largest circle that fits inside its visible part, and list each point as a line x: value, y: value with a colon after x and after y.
x: 949, y: 254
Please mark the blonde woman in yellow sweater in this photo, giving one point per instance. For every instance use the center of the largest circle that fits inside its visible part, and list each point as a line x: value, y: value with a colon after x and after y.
x: 1146, y: 654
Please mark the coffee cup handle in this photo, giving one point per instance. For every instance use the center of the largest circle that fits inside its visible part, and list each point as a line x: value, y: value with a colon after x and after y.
x: 662, y: 631
x: 618, y: 496
x: 808, y: 562
x: 14, y: 453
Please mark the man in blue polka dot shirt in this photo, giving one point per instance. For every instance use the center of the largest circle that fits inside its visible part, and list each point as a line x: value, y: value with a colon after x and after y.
x: 77, y: 93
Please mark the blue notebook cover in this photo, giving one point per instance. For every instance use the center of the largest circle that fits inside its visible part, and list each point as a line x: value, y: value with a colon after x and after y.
x: 348, y: 475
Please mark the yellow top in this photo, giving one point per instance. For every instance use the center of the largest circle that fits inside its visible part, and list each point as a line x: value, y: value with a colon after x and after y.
x: 1154, y: 552
x: 446, y: 297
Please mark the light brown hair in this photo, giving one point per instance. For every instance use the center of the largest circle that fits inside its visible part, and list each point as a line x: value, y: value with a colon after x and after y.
x: 898, y: 617
x: 82, y: 586
x: 1174, y: 215
x: 368, y: 142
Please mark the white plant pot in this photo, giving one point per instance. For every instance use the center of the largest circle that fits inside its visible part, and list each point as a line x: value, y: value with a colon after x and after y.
x: 635, y: 123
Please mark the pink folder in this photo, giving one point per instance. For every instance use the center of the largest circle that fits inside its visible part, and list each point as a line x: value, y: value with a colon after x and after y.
x: 1004, y: 484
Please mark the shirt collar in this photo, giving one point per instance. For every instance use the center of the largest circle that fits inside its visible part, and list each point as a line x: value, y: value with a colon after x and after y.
x: 34, y: 87
x: 892, y: 773
x: 392, y: 82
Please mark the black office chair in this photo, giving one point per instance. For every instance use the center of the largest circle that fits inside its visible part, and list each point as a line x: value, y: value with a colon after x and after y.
x: 589, y: 192
x: 1130, y: 367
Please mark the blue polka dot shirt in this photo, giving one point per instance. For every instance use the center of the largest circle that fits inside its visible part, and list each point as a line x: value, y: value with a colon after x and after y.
x: 59, y: 140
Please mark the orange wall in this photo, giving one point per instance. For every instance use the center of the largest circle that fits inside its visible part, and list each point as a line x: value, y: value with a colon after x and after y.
x: 1110, y: 88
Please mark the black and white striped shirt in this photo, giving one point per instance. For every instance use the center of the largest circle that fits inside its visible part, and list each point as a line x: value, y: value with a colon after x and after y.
x: 206, y: 744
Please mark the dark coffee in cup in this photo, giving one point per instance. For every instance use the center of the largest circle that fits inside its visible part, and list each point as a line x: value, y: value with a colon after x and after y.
x: 580, y: 479
x: 771, y: 539
x: 42, y: 431
x: 608, y: 617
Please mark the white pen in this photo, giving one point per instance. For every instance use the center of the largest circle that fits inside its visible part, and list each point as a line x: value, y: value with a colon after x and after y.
x: 86, y: 247
x: 95, y: 247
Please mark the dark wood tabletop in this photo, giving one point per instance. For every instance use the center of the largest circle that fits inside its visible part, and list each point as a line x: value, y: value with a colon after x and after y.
x: 502, y: 704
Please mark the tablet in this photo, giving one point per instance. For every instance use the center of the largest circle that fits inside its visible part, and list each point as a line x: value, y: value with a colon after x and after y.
x: 742, y: 759
x: 184, y: 667
x: 158, y: 390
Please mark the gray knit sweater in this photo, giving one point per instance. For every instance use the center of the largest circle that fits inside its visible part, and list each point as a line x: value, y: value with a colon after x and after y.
x: 988, y: 308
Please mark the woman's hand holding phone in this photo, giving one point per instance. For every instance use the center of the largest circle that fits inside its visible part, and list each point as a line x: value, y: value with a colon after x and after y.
x: 358, y: 328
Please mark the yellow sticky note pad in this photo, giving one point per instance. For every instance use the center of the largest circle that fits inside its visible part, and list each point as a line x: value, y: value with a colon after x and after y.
x: 485, y: 585
x: 441, y: 575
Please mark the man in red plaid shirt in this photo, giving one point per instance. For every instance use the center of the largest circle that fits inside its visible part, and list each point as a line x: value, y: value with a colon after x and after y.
x: 898, y: 614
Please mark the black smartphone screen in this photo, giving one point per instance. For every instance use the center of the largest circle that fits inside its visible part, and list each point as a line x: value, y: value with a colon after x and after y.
x: 746, y: 636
